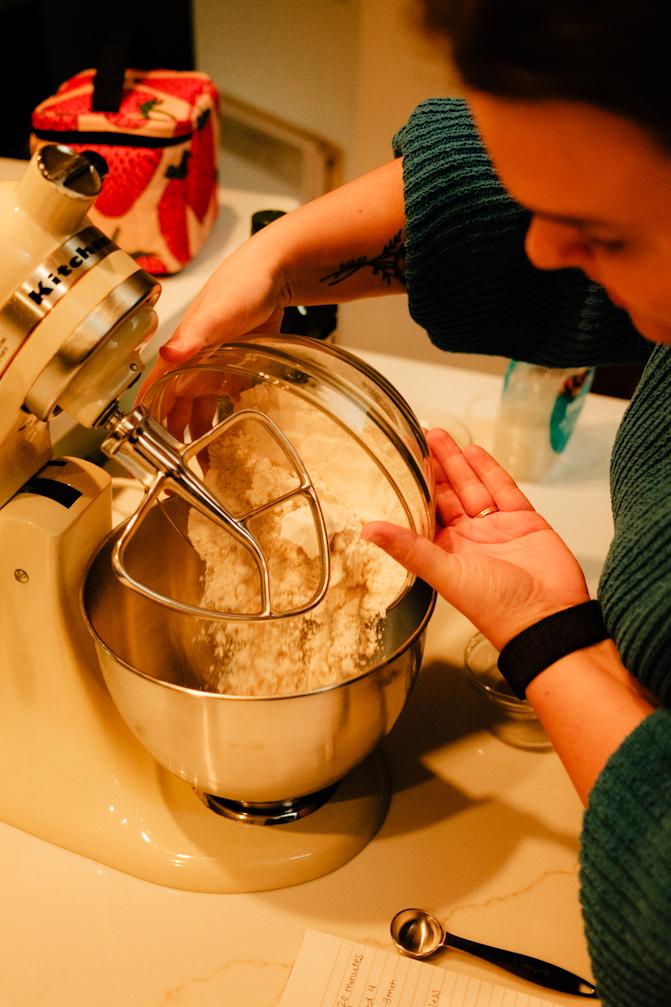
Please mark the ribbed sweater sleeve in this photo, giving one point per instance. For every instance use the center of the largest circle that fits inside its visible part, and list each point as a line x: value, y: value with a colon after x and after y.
x: 470, y: 284
x: 626, y: 870
x: 635, y: 585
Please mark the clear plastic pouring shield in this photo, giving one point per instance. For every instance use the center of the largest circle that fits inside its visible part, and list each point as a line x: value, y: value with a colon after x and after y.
x: 336, y: 428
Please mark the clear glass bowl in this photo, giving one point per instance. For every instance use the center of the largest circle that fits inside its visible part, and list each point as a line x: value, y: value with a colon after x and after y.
x: 511, y: 719
x: 358, y: 440
x: 163, y: 667
x: 431, y: 417
x: 384, y: 432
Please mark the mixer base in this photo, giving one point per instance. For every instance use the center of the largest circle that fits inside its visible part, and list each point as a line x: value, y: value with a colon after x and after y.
x: 88, y: 785
x: 236, y: 857
x: 270, y: 813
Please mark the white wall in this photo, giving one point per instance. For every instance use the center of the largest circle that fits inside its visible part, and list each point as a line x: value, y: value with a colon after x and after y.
x: 349, y: 70
x: 294, y: 58
x: 397, y: 68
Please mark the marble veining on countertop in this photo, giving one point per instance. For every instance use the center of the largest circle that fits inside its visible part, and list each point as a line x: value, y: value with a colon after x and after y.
x: 483, y: 834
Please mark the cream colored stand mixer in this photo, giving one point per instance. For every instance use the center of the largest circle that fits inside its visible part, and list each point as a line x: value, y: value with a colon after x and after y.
x: 76, y: 316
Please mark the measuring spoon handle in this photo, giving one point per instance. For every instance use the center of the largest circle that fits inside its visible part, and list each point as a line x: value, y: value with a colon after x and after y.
x: 534, y: 969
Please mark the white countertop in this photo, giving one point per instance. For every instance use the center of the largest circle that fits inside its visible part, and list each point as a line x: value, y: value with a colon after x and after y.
x: 483, y: 834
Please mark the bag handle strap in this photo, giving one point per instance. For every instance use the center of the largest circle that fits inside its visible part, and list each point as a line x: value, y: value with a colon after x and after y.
x: 109, y: 77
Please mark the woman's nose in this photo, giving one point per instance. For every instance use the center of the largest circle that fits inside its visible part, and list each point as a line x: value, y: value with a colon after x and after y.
x: 551, y: 245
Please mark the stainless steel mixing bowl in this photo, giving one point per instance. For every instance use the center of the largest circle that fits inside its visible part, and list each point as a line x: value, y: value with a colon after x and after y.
x: 253, y: 750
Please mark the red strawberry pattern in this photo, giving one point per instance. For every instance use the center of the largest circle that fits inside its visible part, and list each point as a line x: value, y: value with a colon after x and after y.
x: 79, y: 80
x: 184, y: 87
x: 201, y: 180
x: 139, y: 106
x: 136, y: 109
x: 150, y: 262
x: 179, y: 198
x: 172, y: 211
x: 131, y: 169
x: 62, y: 115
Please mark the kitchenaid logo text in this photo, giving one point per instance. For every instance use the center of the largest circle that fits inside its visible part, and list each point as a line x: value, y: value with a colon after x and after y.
x: 39, y: 292
x: 84, y: 255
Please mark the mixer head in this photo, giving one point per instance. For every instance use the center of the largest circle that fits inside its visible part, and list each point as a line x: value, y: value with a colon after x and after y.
x: 76, y: 322
x: 76, y: 317
x: 75, y: 313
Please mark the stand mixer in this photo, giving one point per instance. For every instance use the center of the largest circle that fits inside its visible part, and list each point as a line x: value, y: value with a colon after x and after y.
x: 76, y: 316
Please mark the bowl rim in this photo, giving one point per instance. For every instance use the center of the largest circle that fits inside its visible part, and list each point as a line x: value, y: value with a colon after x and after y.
x: 418, y: 585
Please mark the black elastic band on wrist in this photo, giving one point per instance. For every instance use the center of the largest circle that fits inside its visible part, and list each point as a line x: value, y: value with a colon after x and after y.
x: 537, y: 647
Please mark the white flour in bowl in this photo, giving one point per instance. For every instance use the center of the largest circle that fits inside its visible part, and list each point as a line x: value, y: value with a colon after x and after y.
x: 340, y: 637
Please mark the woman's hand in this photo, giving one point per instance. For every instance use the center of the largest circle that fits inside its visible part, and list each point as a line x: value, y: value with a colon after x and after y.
x: 504, y: 570
x: 243, y: 295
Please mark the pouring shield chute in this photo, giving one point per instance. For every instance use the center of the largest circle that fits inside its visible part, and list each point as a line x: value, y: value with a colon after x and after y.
x: 297, y: 442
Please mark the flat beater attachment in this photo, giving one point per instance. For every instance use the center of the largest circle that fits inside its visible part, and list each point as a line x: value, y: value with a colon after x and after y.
x: 165, y: 467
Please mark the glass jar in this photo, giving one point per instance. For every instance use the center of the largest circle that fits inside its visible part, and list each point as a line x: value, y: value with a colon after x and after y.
x: 511, y: 719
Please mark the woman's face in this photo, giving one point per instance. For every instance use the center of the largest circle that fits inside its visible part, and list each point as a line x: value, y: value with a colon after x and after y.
x: 599, y: 189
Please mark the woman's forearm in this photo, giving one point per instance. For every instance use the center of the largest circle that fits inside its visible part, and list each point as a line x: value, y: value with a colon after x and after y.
x: 347, y: 244
x: 588, y: 703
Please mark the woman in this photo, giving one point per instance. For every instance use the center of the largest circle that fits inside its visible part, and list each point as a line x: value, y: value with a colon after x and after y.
x: 560, y: 160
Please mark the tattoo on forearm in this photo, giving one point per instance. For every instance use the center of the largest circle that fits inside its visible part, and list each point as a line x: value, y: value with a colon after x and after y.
x: 388, y: 265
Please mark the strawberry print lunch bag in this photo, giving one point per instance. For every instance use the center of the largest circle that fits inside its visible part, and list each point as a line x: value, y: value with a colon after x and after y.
x: 159, y: 140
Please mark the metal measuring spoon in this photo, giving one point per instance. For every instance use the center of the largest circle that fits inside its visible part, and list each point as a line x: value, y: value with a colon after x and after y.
x: 419, y: 934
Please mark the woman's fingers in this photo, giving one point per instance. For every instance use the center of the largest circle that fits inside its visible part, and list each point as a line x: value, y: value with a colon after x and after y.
x: 466, y: 483
x: 201, y: 327
x: 241, y: 296
x: 442, y: 447
x: 448, y: 505
x: 202, y: 415
x: 179, y: 417
x: 157, y: 371
x: 416, y: 553
x: 501, y: 486
x: 475, y: 477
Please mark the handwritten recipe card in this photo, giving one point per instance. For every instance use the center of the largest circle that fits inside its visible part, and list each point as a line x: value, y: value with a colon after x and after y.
x: 332, y: 972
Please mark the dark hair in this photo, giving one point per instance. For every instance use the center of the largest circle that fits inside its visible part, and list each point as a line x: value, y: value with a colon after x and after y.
x: 609, y: 53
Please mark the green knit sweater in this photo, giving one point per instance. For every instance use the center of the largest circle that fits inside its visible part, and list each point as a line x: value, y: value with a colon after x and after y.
x: 472, y: 288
